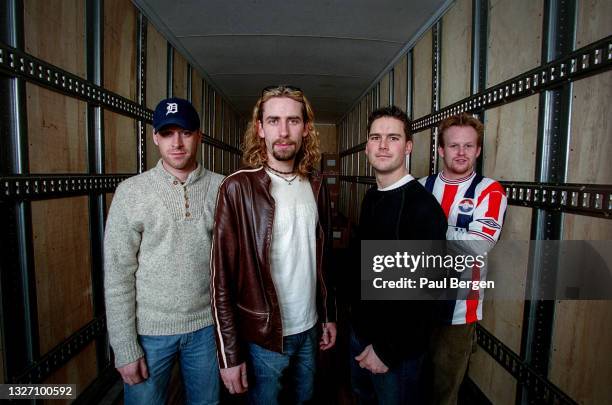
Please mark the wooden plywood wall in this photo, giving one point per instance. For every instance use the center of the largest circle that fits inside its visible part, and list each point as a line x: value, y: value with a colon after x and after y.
x: 196, y: 93
x: 156, y: 78
x: 328, y: 138
x: 227, y: 118
x: 196, y: 100
x: 218, y: 124
x: 422, y: 67
x: 514, y: 46
x: 153, y: 155
x: 354, y: 122
x: 56, y: 124
x: 361, y: 163
x: 62, y: 262
x: 120, y: 47
x: 456, y: 56
x: 157, y: 66
x: 582, y: 331
x: 80, y: 371
x: 179, y: 76
x: 357, y: 158
x: 363, y: 120
x: 419, y: 158
x: 55, y: 32
x: 120, y: 143
x: 120, y: 77
x: 581, y: 348
x: 384, y: 90
x: 510, y: 138
x: 515, y: 38
x: 57, y: 137
x: 591, y: 125
x: 594, y: 21
x: 504, y: 318
x: 63, y: 21
x: 400, y: 82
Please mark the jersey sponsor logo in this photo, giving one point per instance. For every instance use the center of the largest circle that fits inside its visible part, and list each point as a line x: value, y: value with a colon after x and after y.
x: 489, y: 222
x: 466, y: 206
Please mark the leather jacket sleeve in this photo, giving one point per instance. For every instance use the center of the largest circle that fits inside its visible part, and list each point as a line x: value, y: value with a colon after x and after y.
x: 224, y: 266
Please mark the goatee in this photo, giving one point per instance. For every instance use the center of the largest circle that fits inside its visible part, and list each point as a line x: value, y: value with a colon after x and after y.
x: 284, y: 156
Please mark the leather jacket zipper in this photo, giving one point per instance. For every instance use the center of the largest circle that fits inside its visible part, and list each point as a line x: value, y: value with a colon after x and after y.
x: 270, y: 268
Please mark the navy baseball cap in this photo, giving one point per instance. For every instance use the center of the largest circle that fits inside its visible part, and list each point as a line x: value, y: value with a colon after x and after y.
x: 175, y: 111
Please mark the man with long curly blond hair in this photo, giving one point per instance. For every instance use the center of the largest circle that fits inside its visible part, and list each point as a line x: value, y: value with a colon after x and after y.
x: 271, y: 239
x: 255, y: 153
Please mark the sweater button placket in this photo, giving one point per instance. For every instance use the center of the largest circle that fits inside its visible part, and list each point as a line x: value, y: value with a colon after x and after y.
x: 187, y: 213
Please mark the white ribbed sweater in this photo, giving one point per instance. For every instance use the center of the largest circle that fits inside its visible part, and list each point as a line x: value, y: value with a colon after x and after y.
x: 157, y: 257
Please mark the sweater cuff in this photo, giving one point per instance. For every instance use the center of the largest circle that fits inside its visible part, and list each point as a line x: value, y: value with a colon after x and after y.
x: 127, y: 353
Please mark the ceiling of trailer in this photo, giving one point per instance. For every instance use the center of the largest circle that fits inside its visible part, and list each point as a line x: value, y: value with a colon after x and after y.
x: 333, y: 50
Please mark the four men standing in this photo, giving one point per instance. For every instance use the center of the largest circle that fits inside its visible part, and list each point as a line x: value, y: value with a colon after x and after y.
x: 270, y: 298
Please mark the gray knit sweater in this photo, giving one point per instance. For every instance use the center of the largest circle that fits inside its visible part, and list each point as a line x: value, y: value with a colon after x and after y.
x: 157, y: 257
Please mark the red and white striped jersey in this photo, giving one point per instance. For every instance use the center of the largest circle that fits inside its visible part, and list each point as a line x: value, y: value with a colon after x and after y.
x: 475, y: 207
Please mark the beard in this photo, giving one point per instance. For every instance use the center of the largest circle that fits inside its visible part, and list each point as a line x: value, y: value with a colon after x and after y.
x: 285, y: 155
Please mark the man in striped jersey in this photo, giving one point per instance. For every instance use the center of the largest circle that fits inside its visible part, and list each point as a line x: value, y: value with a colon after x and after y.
x: 474, y: 206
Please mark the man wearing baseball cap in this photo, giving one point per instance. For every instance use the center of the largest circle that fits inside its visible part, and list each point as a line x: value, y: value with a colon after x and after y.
x: 156, y: 267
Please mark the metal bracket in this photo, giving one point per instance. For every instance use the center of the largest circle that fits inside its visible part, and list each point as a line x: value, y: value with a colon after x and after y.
x: 359, y: 179
x: 355, y: 149
x: 435, y: 93
x: 478, y: 79
x: 17, y: 63
x: 208, y: 140
x: 62, y: 353
x: 586, y: 61
x: 582, y: 199
x: 141, y: 67
x: 33, y: 187
x: 551, y: 167
x: 540, y: 387
x: 169, y: 70
x: 591, y: 59
x: 391, y: 76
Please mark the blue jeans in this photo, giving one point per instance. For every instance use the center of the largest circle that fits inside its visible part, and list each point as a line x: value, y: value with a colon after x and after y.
x: 402, y: 384
x: 298, y: 358
x: 197, y: 356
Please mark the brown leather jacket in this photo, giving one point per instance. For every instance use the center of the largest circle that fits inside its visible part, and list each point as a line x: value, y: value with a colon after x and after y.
x: 244, y: 302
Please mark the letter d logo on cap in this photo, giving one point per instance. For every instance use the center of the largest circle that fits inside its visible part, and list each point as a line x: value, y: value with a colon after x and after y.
x: 171, y: 108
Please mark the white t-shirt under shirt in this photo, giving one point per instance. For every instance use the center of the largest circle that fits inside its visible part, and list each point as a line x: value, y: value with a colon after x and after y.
x: 293, y: 253
x: 404, y: 180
